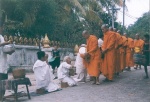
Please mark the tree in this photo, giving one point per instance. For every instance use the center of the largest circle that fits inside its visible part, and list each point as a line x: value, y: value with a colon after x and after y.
x: 62, y: 20
x: 141, y: 26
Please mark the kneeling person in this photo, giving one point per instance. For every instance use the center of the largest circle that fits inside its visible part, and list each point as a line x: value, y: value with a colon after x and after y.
x: 63, y: 72
x: 43, y: 74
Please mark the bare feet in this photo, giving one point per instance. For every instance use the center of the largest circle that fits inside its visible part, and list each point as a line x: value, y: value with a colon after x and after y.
x: 97, y: 83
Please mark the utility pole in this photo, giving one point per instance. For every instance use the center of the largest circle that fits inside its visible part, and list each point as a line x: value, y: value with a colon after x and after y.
x: 123, y: 15
x: 113, y: 12
x: 149, y: 6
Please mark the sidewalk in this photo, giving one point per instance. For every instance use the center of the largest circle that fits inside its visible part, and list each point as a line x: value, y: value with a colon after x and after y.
x: 129, y: 87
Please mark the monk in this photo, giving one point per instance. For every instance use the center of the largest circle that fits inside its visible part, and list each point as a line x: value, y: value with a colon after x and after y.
x: 129, y: 52
x: 138, y: 44
x: 108, y: 50
x: 122, y: 50
x: 117, y: 52
x: 92, y: 57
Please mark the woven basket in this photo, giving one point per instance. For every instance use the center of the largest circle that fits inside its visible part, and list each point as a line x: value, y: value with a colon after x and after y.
x: 19, y: 73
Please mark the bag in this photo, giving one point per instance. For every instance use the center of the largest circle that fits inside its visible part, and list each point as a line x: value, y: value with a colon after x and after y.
x: 9, y: 49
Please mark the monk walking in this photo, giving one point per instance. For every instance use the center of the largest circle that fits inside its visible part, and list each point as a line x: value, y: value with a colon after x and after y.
x: 129, y: 52
x: 108, y: 50
x: 117, y: 52
x: 92, y: 56
x: 122, y: 50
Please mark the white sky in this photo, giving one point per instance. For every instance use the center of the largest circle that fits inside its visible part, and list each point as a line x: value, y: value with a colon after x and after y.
x: 136, y: 8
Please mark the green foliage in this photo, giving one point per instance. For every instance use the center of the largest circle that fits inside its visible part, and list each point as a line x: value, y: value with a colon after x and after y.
x: 141, y: 26
x: 58, y: 18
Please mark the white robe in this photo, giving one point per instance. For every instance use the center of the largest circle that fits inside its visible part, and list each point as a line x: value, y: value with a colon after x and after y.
x: 3, y: 58
x: 63, y: 74
x: 80, y: 69
x: 44, y: 77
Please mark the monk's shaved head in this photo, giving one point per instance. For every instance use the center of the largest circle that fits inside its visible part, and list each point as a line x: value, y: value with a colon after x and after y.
x: 104, y: 28
x: 118, y: 31
x: 137, y: 36
x: 85, y: 34
x: 125, y: 34
x: 111, y: 28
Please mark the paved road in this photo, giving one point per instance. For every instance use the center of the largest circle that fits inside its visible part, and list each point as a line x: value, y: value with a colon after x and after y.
x: 129, y: 87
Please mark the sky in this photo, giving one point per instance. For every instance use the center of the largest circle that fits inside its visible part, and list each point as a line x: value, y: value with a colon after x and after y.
x: 135, y: 9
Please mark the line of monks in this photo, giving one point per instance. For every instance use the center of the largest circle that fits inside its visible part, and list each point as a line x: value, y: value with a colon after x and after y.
x: 113, y: 56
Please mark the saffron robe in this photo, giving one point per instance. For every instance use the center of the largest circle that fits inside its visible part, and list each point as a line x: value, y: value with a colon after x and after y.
x: 109, y: 57
x: 139, y: 43
x: 118, y: 43
x: 93, y: 67
x: 123, y: 53
x: 129, y: 52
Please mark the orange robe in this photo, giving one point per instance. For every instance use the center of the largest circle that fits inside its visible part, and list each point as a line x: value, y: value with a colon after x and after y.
x: 93, y: 67
x: 109, y: 57
x: 129, y: 53
x: 139, y: 43
x: 123, y: 53
x: 117, y: 52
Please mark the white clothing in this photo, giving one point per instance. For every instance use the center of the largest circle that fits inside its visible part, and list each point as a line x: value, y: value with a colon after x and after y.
x: 63, y: 70
x: 100, y: 42
x: 69, y: 80
x: 43, y: 76
x: 63, y: 74
x: 79, y: 64
x: 51, y: 73
x: 80, y: 69
x: 81, y: 77
x: 3, y: 58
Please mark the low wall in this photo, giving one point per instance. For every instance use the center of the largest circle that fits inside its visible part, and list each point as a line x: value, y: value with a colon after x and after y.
x: 25, y: 56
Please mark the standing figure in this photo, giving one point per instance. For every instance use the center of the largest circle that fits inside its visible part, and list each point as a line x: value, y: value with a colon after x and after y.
x: 79, y: 64
x: 92, y: 56
x: 146, y: 52
x: 138, y: 47
x: 108, y: 50
x: 3, y: 61
x: 56, y: 56
x: 63, y: 72
x: 122, y: 50
x: 118, y: 44
x: 129, y: 52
